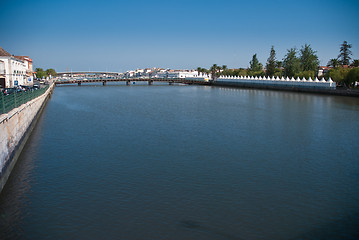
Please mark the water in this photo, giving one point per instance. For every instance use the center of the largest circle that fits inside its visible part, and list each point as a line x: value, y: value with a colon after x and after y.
x: 187, y: 162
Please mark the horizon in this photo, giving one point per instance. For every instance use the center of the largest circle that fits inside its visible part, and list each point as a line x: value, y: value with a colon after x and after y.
x: 119, y: 36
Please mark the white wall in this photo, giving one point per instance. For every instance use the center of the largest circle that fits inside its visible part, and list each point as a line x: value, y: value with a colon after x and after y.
x: 15, y: 70
x: 284, y: 82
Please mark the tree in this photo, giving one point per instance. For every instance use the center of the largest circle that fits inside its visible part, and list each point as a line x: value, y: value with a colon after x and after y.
x: 334, y: 62
x: 352, y: 77
x: 255, y: 65
x: 305, y: 74
x: 355, y: 63
x: 291, y: 63
x: 40, y: 73
x: 345, y: 53
x: 51, y: 72
x: 308, y: 59
x: 338, y: 75
x: 271, y: 63
x: 214, y: 70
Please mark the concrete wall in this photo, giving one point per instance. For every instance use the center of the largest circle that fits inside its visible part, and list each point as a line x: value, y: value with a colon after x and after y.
x: 15, y: 128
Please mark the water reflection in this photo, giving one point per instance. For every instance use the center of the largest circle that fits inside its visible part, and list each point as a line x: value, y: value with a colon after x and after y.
x: 187, y: 162
x: 16, y: 194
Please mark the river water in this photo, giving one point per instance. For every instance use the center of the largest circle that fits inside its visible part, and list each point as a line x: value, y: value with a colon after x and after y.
x: 187, y: 162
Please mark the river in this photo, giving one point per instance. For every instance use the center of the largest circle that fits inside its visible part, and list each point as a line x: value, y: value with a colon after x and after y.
x: 186, y: 162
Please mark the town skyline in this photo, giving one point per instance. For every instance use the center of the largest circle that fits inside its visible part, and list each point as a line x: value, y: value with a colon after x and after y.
x: 122, y: 36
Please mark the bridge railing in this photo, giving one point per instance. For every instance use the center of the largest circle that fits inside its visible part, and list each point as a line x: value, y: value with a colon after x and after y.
x: 16, y: 99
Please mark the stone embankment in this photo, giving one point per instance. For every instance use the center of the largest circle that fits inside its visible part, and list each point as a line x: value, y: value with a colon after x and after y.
x: 15, y: 128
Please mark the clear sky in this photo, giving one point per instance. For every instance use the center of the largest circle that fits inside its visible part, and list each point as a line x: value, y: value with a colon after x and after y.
x: 116, y: 35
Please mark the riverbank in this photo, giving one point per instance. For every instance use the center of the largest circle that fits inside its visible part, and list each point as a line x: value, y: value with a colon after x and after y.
x: 16, y: 127
x: 337, y: 91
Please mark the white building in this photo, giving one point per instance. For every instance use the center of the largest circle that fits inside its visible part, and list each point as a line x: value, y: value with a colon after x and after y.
x: 177, y: 74
x: 29, y: 68
x: 13, y: 71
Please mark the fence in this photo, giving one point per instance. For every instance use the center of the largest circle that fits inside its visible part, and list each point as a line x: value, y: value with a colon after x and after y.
x: 14, y: 100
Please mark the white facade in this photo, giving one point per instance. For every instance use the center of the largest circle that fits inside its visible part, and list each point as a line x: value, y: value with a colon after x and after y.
x: 177, y: 74
x: 283, y: 82
x: 14, y: 71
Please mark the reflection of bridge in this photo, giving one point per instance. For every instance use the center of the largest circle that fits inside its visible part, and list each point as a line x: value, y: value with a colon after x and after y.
x: 129, y: 80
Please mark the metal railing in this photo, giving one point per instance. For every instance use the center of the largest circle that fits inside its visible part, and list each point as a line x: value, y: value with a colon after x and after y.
x: 16, y: 99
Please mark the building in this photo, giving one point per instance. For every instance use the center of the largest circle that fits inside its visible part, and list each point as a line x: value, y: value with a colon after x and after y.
x: 2, y: 74
x: 29, y: 68
x: 14, y: 71
x: 323, y: 70
x: 177, y: 74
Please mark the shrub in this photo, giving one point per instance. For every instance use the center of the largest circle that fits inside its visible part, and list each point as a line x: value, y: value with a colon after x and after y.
x: 305, y: 74
x: 338, y: 75
x: 352, y: 77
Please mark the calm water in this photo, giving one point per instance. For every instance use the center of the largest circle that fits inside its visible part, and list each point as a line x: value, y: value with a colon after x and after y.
x: 187, y: 162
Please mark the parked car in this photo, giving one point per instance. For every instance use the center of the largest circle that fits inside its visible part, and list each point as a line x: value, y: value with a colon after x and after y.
x: 25, y: 88
x: 8, y: 91
x: 36, y: 86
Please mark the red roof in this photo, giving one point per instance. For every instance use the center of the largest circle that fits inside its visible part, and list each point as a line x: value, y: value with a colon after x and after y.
x: 4, y: 53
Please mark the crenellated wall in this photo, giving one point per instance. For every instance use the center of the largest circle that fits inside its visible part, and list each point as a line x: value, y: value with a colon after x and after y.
x: 15, y: 128
x: 280, y: 82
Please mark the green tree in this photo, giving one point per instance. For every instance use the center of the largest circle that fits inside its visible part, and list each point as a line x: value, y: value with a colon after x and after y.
x: 255, y: 65
x: 334, y: 62
x: 308, y: 59
x: 338, y: 75
x: 345, y: 53
x: 40, y: 73
x: 51, y: 72
x: 291, y: 63
x: 355, y: 63
x: 271, y: 63
x: 305, y: 74
x: 240, y: 72
x: 352, y: 77
x: 215, y: 71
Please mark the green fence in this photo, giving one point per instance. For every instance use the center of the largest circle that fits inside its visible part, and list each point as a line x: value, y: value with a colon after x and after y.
x: 11, y: 101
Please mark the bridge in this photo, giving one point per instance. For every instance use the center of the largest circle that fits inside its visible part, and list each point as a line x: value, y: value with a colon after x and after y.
x: 85, y: 72
x: 128, y: 81
x: 74, y: 74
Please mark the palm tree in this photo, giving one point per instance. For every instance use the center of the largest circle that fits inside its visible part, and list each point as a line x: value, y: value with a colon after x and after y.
x: 214, y: 71
x: 355, y: 63
x: 334, y: 62
x: 224, y: 69
x: 199, y: 70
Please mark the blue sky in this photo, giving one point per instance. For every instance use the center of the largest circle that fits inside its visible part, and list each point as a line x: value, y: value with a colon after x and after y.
x: 123, y: 35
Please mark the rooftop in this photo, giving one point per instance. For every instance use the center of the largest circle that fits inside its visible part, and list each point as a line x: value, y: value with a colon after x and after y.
x: 4, y: 53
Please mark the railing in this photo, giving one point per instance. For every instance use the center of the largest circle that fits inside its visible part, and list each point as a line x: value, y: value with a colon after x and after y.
x: 14, y: 100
